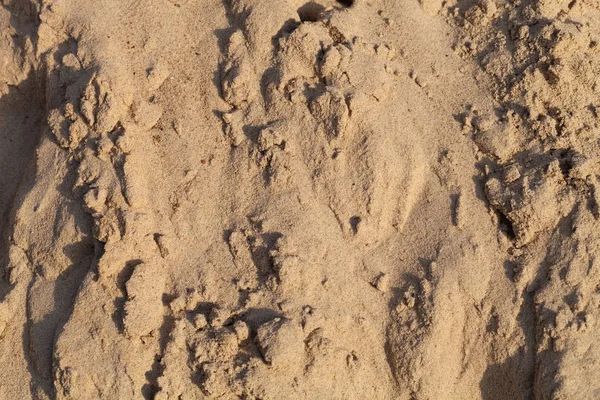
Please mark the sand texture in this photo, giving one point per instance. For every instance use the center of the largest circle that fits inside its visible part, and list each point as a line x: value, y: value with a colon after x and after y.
x: 296, y: 199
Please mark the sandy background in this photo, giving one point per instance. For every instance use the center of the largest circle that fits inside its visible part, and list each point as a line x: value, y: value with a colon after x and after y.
x: 282, y: 199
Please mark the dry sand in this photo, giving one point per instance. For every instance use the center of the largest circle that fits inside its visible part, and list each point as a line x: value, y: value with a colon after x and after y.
x: 292, y: 199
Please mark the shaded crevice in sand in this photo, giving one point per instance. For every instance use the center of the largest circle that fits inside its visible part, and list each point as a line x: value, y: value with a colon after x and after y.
x: 20, y: 120
x: 527, y: 359
x: 152, y: 387
x: 20, y: 128
x: 501, y: 382
x: 21, y: 114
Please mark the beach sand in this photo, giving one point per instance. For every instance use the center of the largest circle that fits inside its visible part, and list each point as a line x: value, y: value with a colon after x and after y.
x: 292, y: 199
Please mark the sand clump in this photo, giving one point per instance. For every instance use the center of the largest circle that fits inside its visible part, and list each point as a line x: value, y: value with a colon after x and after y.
x: 299, y: 199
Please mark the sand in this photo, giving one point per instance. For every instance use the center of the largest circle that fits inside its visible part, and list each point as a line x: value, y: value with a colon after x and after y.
x: 292, y: 199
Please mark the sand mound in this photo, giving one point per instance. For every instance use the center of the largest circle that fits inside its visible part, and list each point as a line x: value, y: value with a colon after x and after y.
x: 269, y: 199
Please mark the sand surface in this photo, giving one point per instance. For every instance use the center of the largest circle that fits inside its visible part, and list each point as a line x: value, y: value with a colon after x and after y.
x: 292, y: 199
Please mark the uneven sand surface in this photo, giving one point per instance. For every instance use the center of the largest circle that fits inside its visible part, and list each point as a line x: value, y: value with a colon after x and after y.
x: 292, y: 199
